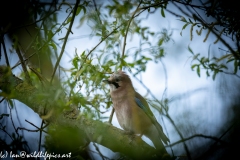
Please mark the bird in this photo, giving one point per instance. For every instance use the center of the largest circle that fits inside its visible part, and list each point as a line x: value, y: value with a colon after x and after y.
x: 133, y: 112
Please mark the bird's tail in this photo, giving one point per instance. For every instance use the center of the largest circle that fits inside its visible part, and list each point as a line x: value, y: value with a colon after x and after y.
x: 153, y: 135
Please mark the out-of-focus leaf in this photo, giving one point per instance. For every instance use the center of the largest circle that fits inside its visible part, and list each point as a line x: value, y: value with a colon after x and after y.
x: 162, y: 12
x: 198, y: 71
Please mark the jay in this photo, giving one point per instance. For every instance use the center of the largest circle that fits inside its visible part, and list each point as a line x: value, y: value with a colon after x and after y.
x: 132, y: 110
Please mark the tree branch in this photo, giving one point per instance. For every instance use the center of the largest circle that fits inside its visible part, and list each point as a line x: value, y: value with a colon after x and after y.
x: 69, y: 121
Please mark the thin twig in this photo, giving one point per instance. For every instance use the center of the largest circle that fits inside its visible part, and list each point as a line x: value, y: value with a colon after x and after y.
x: 23, y: 65
x: 102, y: 40
x: 98, y: 13
x: 195, y: 136
x: 39, y: 129
x: 99, y: 152
x: 4, y: 130
x: 2, y: 99
x: 40, y: 138
x: 128, y: 26
x: 153, y: 5
x: 65, y: 39
x: 10, y: 109
x: 5, y: 51
x: 111, y: 116
x: 29, y: 130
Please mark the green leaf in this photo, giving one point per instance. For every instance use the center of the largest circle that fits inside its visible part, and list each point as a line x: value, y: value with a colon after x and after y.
x: 214, y: 74
x: 53, y: 45
x: 198, y: 70
x: 193, y: 66
x: 78, y: 10
x: 10, y: 102
x: 162, y: 12
x: 160, y: 41
x: 69, y: 20
x: 50, y: 35
x: 190, y: 20
x: 190, y: 50
x: 207, y: 73
x: 75, y: 62
x: 84, y: 9
x: 230, y: 60
x: 183, y: 19
x: 184, y: 26
x: 223, y: 66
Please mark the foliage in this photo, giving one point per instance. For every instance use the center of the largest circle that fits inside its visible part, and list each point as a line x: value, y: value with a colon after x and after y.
x: 223, y: 24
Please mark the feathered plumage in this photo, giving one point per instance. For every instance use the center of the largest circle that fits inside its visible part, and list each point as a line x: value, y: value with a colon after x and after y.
x: 132, y: 110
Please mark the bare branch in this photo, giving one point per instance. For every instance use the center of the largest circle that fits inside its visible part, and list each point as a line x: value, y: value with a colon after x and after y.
x: 125, y: 37
x: 5, y: 51
x: 196, y: 136
x: 65, y: 39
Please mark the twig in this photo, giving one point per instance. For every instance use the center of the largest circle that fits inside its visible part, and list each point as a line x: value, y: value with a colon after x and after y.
x: 154, y: 5
x: 98, y: 13
x: 191, y: 5
x: 65, y: 39
x: 3, y: 129
x: 39, y: 129
x: 103, y: 39
x: 29, y: 130
x: 111, y: 116
x: 181, y: 136
x: 195, y: 136
x: 1, y: 115
x: 20, y: 124
x: 97, y: 149
x: 5, y: 51
x: 125, y: 38
x: 234, y: 74
x: 10, y: 109
x: 23, y: 65
x: 40, y: 138
x: 2, y: 100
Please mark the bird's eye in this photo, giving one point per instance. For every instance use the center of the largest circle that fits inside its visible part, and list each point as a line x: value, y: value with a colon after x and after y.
x: 117, y: 80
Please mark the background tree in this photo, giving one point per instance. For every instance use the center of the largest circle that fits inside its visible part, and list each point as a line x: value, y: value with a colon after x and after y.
x: 71, y: 102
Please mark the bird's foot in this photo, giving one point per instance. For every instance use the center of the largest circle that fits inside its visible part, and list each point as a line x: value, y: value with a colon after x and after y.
x: 128, y: 132
x: 133, y: 137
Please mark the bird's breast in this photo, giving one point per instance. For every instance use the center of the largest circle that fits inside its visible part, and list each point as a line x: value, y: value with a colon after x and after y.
x: 123, y: 112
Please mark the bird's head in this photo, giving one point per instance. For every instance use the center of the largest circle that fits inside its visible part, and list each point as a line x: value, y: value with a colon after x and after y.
x: 117, y: 80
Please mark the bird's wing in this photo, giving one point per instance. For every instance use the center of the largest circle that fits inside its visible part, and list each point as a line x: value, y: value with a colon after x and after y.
x: 142, y: 103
